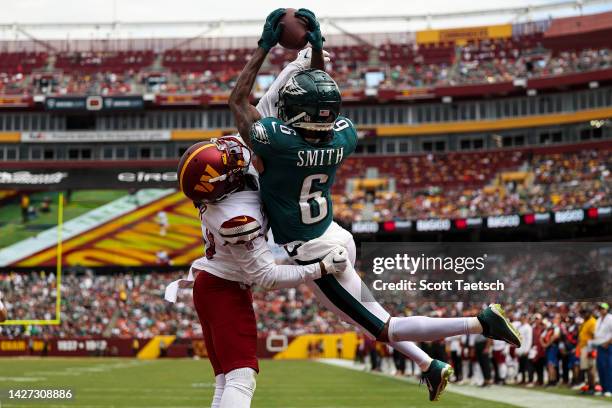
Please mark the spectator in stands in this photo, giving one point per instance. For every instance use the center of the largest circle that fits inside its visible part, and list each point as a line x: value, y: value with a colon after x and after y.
x: 537, y: 354
x: 586, y: 334
x: 550, y: 339
x: 522, y: 352
x: 603, y: 341
x: 482, y: 349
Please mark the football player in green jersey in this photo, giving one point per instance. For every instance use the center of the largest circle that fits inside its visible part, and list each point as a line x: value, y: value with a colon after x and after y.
x: 301, y: 141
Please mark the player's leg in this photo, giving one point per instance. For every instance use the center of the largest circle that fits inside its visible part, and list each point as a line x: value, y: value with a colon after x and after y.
x: 407, y: 348
x: 352, y: 296
x: 228, y: 310
x: 198, y: 300
x: 349, y: 294
x: 219, y: 376
x: 342, y: 296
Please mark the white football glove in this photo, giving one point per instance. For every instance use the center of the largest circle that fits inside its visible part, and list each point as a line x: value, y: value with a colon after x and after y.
x: 304, y: 57
x: 336, y: 261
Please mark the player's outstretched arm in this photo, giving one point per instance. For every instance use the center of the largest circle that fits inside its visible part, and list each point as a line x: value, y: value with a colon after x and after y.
x: 257, y: 261
x: 315, y: 38
x: 244, y: 113
x: 267, y: 105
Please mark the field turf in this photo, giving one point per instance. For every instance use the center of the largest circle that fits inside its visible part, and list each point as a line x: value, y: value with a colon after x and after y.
x: 13, y: 230
x: 122, y: 383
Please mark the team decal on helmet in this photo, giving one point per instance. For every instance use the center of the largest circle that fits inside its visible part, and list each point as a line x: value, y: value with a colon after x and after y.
x: 204, y: 185
x: 293, y: 88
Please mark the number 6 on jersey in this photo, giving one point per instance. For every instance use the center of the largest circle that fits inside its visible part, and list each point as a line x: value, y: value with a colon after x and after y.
x: 313, y: 206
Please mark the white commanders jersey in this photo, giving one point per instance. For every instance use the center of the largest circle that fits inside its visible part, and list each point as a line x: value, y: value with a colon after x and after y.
x: 234, y: 232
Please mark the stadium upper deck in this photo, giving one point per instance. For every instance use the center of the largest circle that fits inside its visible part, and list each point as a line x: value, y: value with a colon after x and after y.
x: 468, y: 61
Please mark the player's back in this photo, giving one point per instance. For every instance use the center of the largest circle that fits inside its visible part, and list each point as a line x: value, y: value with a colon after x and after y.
x: 298, y: 176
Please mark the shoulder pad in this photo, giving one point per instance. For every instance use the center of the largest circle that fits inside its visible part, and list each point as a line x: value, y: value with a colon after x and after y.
x: 241, y: 229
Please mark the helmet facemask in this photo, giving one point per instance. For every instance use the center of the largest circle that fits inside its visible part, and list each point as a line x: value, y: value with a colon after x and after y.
x: 237, y: 159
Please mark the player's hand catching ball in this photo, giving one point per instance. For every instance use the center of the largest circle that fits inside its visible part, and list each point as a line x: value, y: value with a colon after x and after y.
x: 335, y: 262
x: 315, y: 38
x: 272, y: 29
x: 304, y: 58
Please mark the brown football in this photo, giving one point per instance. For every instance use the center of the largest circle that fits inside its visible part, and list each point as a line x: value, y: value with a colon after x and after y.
x: 294, y: 32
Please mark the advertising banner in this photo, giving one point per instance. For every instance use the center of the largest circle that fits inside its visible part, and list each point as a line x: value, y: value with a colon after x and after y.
x: 15, y: 101
x: 93, y: 102
x: 95, y: 136
x: 268, y: 346
x: 87, y: 178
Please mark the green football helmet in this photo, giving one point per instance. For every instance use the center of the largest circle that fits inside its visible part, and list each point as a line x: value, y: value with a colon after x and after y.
x: 310, y: 100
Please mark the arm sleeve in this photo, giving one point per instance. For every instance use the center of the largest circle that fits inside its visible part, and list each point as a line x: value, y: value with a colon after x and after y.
x: 267, y: 105
x: 257, y: 262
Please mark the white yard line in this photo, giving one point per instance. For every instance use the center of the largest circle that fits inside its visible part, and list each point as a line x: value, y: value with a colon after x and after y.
x: 80, y: 224
x: 509, y: 395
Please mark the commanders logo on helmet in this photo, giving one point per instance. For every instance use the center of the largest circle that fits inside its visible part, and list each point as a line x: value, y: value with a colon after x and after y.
x: 209, y: 171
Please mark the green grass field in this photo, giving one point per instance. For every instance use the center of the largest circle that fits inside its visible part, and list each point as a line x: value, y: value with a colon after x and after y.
x: 122, y: 383
x: 13, y: 230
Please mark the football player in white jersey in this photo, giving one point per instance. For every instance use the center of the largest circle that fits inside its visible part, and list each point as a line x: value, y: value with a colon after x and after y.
x: 218, y: 177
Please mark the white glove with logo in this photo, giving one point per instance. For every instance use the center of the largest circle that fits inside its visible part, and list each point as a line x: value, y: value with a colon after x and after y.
x: 304, y: 57
x: 335, y: 262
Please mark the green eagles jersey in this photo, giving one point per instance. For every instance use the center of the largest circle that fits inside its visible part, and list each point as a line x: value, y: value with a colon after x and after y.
x: 298, y: 176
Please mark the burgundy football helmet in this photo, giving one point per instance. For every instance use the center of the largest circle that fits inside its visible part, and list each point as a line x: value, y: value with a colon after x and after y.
x: 209, y: 171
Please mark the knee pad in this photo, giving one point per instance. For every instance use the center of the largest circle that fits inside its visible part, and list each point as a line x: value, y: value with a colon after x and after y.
x: 243, y: 380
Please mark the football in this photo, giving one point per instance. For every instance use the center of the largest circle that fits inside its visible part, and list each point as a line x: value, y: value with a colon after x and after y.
x: 294, y: 32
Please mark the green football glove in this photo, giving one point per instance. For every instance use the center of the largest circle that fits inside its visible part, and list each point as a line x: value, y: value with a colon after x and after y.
x: 272, y: 30
x: 315, y: 38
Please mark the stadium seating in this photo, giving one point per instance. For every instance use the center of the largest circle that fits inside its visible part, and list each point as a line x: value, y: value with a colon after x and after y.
x: 117, y: 62
x: 470, y: 184
x: 213, y: 71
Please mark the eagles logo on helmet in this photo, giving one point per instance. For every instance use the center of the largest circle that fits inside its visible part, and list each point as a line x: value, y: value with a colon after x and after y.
x: 209, y: 171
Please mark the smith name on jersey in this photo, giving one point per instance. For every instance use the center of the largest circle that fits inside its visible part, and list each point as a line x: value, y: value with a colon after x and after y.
x: 297, y: 177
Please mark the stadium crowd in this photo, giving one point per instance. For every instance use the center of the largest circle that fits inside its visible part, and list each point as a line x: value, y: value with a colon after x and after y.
x: 215, y: 71
x: 559, y: 338
x: 428, y: 187
x: 564, y: 344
